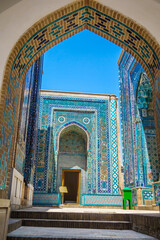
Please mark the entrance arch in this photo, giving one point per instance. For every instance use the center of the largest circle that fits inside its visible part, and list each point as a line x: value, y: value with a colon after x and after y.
x: 72, y: 148
x: 54, y: 28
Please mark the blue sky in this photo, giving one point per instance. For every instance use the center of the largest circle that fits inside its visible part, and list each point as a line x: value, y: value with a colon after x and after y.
x: 84, y: 62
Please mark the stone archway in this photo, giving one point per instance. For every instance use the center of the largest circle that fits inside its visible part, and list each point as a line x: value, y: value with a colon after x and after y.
x: 54, y: 28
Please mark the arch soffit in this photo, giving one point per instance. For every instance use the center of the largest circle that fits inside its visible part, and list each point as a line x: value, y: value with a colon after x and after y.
x: 67, y: 21
x: 73, y: 126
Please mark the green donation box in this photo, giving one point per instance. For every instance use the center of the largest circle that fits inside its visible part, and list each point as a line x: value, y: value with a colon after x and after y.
x: 127, y: 195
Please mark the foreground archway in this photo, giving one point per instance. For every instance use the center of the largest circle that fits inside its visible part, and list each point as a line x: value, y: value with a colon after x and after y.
x: 54, y: 28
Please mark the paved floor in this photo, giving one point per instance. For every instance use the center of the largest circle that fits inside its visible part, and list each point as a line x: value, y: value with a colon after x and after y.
x: 90, y: 210
x: 77, y: 233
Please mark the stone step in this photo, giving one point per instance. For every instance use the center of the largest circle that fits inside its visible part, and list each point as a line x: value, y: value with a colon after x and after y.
x: 70, y: 216
x: 14, y: 224
x: 41, y: 233
x: 77, y: 224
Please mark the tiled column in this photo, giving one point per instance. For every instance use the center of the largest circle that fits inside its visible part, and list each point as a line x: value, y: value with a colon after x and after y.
x: 55, y: 169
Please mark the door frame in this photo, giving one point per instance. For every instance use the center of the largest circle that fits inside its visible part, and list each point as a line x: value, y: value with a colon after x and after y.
x: 79, y: 181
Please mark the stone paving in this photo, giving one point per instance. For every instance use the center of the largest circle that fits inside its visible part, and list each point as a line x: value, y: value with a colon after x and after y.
x: 90, y: 210
x: 42, y: 233
x: 76, y: 233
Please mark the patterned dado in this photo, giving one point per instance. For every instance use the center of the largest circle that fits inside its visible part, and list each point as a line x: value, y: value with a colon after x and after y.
x: 47, y: 199
x: 156, y: 187
x: 101, y: 200
x: 78, y: 132
x: 147, y: 195
x: 49, y: 31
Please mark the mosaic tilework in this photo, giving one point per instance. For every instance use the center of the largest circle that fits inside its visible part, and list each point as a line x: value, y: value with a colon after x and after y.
x: 147, y: 195
x: 80, y: 15
x: 140, y: 153
x: 102, y: 200
x: 72, y: 142
x: 20, y: 157
x: 157, y: 192
x: 65, y: 114
x: 157, y: 102
x: 134, y: 197
x: 31, y: 88
x: 114, y: 147
x: 70, y: 118
x: 129, y: 149
x: 145, y: 106
x: 26, y: 104
x: 33, y: 123
x: 46, y: 199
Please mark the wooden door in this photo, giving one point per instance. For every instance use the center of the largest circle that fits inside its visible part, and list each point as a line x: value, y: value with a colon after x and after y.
x: 71, y: 179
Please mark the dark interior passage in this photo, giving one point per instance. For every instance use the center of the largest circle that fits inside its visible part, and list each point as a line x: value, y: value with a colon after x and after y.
x: 71, y: 182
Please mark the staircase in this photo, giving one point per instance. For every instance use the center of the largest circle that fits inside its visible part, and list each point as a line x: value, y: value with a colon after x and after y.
x: 43, y: 225
x: 73, y: 220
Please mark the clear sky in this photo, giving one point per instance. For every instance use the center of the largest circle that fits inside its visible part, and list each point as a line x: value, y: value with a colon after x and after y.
x: 84, y: 62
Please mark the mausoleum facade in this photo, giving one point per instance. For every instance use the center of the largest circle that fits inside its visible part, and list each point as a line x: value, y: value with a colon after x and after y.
x: 78, y: 147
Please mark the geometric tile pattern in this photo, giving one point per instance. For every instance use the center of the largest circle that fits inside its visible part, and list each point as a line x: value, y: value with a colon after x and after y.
x: 33, y: 123
x: 46, y: 199
x: 157, y: 192
x: 53, y: 29
x: 101, y: 200
x: 20, y: 156
x: 147, y: 195
x: 145, y: 106
x: 26, y: 105
x: 128, y: 119
x: 114, y: 147
x: 134, y: 197
x: 29, y: 118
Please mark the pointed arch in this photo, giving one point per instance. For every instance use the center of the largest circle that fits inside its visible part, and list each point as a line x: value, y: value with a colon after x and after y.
x: 51, y: 30
x: 73, y: 126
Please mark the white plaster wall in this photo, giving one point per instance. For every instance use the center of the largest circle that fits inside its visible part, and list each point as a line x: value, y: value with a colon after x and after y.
x: 30, y: 195
x: 17, y: 18
x: 16, y: 188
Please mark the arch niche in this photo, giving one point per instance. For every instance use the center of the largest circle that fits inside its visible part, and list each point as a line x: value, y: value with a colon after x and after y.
x: 51, y: 30
x: 71, y: 157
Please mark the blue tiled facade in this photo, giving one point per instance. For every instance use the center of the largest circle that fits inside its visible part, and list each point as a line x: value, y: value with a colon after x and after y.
x: 140, y: 155
x: 97, y: 118
x: 28, y: 127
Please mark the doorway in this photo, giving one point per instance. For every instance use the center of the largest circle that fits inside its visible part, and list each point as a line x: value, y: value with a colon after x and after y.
x: 72, y: 180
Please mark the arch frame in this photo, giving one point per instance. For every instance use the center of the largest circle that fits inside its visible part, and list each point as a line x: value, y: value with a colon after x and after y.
x: 70, y: 125
x: 69, y: 20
